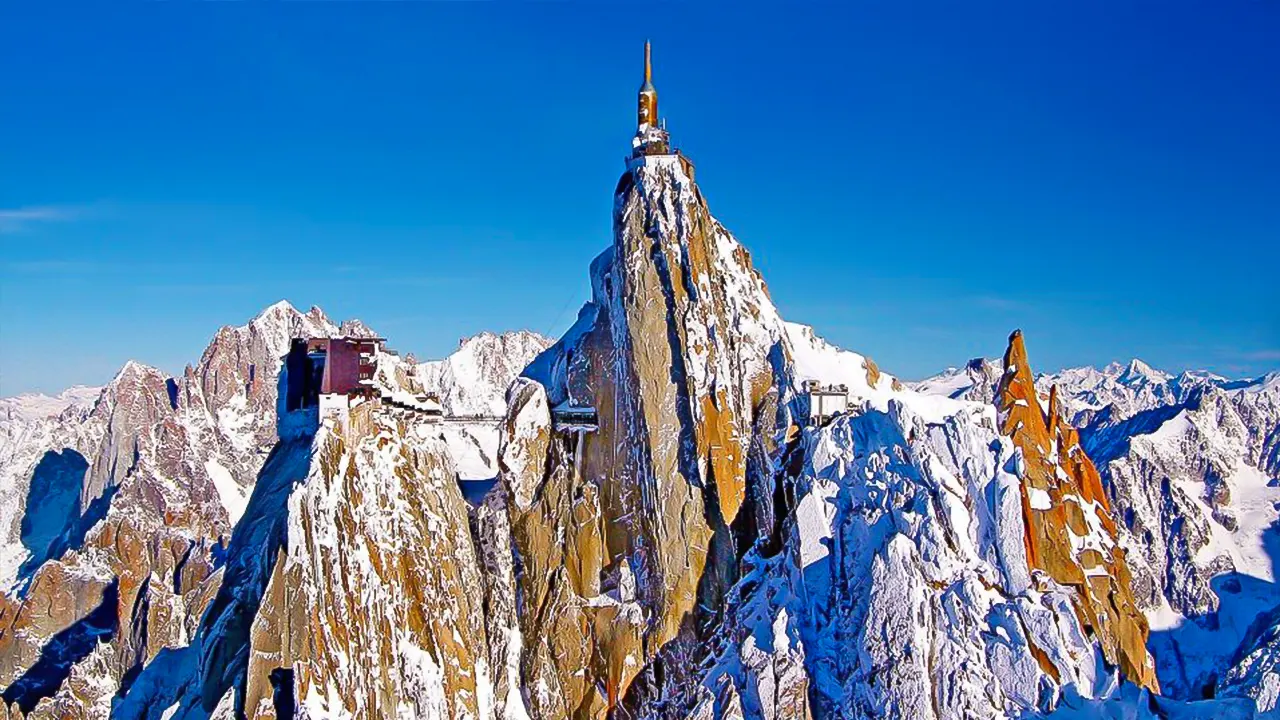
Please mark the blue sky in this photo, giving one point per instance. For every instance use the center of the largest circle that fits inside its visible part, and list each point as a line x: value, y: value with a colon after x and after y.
x: 913, y: 181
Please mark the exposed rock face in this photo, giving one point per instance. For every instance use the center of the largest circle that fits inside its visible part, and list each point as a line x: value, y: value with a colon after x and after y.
x: 352, y: 589
x: 133, y: 495
x: 1070, y: 532
x: 901, y: 586
x: 133, y: 554
x: 493, y: 542
x: 220, y: 413
x: 622, y: 532
x: 392, y: 489
x: 1189, y: 466
x: 235, y: 382
x: 697, y: 550
x: 367, y: 609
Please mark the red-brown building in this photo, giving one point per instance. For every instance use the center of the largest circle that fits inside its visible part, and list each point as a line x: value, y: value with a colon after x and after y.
x: 330, y: 366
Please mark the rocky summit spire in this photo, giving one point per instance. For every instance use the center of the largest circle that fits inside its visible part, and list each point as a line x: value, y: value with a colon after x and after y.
x: 1069, y: 531
x: 647, y: 114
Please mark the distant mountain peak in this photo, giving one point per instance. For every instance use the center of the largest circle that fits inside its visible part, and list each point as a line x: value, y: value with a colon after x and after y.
x: 131, y: 369
x: 1138, y: 370
x: 279, y: 306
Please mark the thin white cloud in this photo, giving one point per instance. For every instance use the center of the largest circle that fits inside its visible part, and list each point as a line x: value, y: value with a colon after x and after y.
x: 999, y: 303
x: 14, y: 220
x: 1262, y: 355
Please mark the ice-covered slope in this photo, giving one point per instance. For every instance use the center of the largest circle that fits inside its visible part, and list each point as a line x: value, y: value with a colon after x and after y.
x: 472, y: 382
x: 474, y: 379
x: 1198, y: 486
x: 25, y: 438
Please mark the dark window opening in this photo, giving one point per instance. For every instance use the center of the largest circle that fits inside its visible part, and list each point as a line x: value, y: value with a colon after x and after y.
x: 282, y: 693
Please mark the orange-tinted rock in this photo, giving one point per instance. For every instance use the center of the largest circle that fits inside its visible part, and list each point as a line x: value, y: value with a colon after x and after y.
x: 873, y: 371
x: 374, y: 606
x: 1062, y: 496
x: 675, y: 358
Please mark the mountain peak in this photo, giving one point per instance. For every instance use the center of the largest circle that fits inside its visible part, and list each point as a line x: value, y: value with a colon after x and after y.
x: 1063, y: 500
x: 278, y: 308
x: 351, y: 328
x: 132, y: 369
x: 284, y: 312
x: 1138, y: 370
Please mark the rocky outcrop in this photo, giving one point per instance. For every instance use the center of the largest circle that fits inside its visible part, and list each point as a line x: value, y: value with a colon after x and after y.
x: 158, y: 471
x: 492, y: 533
x: 1071, y: 535
x: 626, y: 535
x: 902, y: 585
x: 699, y: 554
x: 133, y: 556
x: 231, y: 392
x: 669, y: 535
x: 368, y: 609
x: 1188, y: 465
x: 352, y: 589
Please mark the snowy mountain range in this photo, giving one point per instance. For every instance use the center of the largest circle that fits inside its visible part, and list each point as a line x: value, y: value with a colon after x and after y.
x: 986, y: 543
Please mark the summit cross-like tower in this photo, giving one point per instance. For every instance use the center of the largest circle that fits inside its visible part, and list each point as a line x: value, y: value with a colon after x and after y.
x: 651, y: 137
x: 648, y: 111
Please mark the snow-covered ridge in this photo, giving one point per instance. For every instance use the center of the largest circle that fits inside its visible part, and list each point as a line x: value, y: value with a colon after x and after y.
x: 1132, y: 386
x: 37, y: 406
x: 813, y: 358
x: 474, y: 379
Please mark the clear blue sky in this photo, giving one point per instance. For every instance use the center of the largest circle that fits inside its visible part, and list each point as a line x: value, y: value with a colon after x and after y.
x: 913, y: 182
